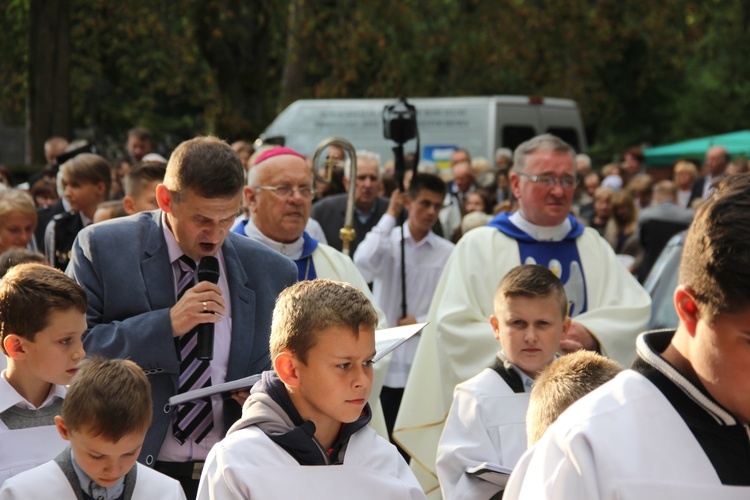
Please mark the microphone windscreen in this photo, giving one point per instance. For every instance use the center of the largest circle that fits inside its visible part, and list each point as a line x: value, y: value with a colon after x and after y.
x: 208, y: 269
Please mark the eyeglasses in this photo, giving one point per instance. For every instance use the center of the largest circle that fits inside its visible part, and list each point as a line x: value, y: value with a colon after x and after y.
x: 286, y: 191
x: 549, y: 181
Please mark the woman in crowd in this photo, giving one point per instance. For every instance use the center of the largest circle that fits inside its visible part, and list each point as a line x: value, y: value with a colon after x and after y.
x: 685, y: 174
x: 17, y: 220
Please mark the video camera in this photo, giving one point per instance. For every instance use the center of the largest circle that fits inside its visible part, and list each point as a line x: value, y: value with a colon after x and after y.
x: 400, y: 121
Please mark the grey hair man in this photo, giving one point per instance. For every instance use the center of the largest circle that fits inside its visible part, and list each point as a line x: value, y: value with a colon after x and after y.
x: 368, y: 206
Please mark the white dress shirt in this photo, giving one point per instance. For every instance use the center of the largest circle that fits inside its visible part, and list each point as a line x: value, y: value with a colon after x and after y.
x: 378, y: 257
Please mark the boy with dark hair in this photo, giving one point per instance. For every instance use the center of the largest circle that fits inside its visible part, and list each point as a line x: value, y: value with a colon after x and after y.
x: 378, y: 257
x: 140, y: 187
x: 42, y: 321
x: 86, y: 179
x: 677, y: 424
x: 312, y: 410
x: 104, y: 417
x: 487, y: 422
x: 562, y: 383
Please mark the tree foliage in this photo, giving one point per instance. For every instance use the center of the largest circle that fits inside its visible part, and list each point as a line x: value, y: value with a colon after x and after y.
x: 640, y: 71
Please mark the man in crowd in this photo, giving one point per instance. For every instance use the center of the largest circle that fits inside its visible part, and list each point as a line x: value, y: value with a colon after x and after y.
x: 53, y: 147
x: 658, y: 223
x: 139, y: 144
x: 607, y: 305
x: 462, y: 183
x: 368, y: 206
x: 583, y: 165
x: 460, y: 155
x: 632, y: 164
x: 676, y: 424
x: 717, y: 159
x: 144, y: 303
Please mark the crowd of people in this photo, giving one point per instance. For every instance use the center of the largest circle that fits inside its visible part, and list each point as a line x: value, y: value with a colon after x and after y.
x: 126, y: 284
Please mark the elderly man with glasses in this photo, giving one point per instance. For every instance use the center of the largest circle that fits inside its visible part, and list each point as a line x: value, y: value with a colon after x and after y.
x: 607, y: 305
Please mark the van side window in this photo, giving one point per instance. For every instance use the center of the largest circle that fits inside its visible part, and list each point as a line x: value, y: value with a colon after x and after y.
x: 568, y: 135
x: 513, y: 135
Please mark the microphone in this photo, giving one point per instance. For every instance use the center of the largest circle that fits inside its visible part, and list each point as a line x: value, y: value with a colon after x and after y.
x: 208, y: 270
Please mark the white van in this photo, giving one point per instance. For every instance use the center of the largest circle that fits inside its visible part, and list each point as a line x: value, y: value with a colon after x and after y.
x: 478, y: 124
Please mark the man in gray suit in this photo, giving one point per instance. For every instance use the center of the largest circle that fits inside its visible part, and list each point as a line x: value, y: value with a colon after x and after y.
x: 145, y: 302
x: 658, y: 223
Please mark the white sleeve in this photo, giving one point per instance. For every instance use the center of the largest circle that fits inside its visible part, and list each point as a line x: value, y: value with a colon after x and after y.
x: 219, y: 479
x: 465, y: 443
x: 49, y: 242
x: 373, y: 252
x: 555, y: 469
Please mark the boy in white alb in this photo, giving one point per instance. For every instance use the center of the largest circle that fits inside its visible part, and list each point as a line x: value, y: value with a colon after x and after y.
x: 676, y: 425
x: 104, y: 417
x: 303, y: 431
x: 487, y: 420
x: 43, y: 318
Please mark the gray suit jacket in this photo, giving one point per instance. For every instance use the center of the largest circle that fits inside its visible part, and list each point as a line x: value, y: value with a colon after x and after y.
x: 124, y: 267
x: 330, y: 212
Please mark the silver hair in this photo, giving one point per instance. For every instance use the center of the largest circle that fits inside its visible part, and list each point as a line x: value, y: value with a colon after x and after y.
x: 364, y: 154
x: 503, y: 153
x: 584, y: 158
x: 428, y: 167
x: 544, y: 142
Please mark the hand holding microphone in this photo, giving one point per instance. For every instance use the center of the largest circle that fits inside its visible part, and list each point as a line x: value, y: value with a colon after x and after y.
x: 208, y: 270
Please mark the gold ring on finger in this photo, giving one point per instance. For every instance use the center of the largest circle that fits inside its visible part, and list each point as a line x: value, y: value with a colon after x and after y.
x: 205, y: 309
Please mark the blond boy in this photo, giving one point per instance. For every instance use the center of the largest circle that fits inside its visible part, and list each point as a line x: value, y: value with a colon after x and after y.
x: 487, y: 420
x: 43, y: 318
x: 562, y: 383
x: 303, y: 431
x: 105, y: 418
x: 86, y: 179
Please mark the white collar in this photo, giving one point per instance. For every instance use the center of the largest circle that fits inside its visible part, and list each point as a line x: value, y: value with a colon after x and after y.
x: 10, y: 397
x: 292, y: 250
x: 541, y: 233
x: 428, y: 239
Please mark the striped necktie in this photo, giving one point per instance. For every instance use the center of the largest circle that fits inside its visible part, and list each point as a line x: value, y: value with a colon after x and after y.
x: 194, y: 419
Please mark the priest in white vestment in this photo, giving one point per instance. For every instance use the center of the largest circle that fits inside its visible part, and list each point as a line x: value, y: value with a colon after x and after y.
x: 607, y: 304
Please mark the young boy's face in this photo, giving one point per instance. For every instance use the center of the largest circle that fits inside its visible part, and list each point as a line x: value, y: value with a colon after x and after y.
x: 530, y: 330
x: 103, y: 461
x: 145, y: 200
x: 335, y: 383
x: 82, y: 195
x: 54, y: 354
